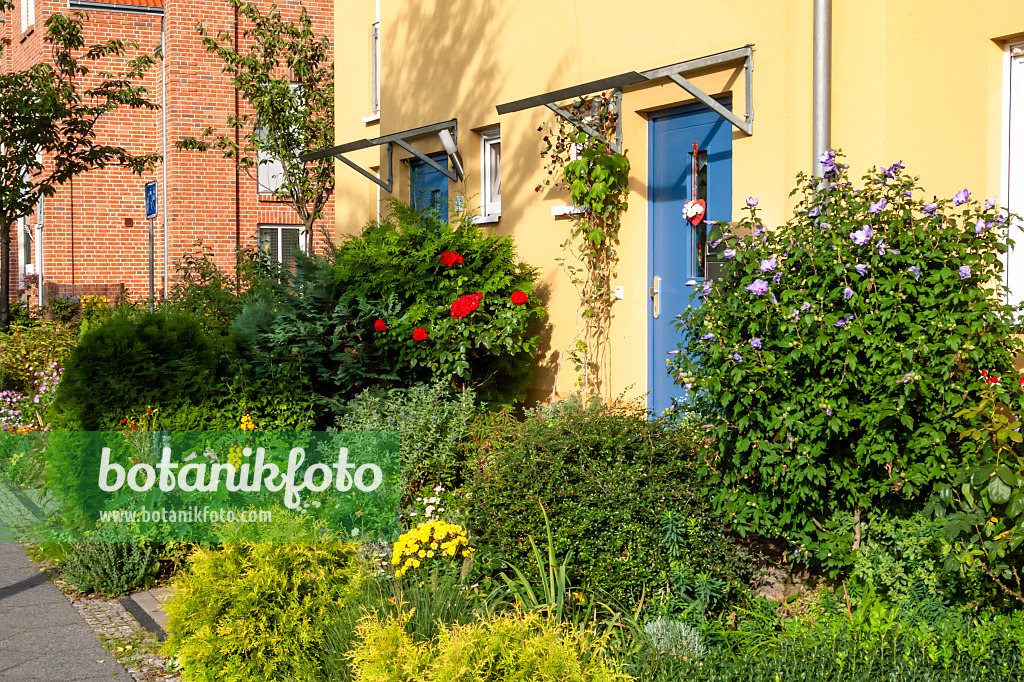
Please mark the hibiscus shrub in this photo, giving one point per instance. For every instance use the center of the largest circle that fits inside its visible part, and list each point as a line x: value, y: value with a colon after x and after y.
x: 832, y: 359
x: 458, y: 303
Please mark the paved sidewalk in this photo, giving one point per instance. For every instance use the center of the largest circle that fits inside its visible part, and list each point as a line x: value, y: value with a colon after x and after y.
x: 42, y: 636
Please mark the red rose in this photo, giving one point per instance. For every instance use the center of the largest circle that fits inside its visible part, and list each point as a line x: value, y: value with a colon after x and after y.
x: 984, y: 372
x: 519, y: 297
x: 450, y: 258
x: 124, y: 421
x: 419, y: 334
x: 380, y: 326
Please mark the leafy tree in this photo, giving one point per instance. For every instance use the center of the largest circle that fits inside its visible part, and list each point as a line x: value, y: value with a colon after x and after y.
x: 291, y: 111
x: 838, y: 357
x: 49, y: 119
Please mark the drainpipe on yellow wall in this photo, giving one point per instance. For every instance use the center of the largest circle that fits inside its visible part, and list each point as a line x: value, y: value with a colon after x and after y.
x: 822, y: 127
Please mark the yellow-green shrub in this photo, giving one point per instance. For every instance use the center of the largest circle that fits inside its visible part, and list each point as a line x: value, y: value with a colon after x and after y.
x: 27, y: 350
x: 509, y: 648
x: 256, y: 611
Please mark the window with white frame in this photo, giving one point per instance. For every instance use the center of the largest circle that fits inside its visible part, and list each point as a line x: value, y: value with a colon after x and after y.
x: 269, y: 173
x: 490, y: 173
x: 1014, y: 170
x: 278, y: 243
x: 28, y: 14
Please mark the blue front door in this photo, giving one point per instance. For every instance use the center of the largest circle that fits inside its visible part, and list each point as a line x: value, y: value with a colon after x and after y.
x: 678, y: 256
x: 428, y: 187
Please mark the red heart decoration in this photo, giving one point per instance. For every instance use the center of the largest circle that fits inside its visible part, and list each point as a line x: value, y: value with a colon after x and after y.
x: 694, y: 219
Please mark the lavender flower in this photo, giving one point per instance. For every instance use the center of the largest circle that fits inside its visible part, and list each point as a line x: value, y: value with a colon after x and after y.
x: 814, y: 212
x: 882, y: 246
x: 769, y: 264
x: 828, y: 411
x: 878, y: 206
x: 737, y: 357
x: 842, y: 322
x: 990, y: 203
x: 729, y: 254
x: 915, y: 271
x: 847, y: 293
x: 751, y: 202
x: 755, y: 343
x: 861, y: 268
x: 805, y: 307
x: 965, y: 271
x: 777, y: 277
x: 708, y: 337
x: 980, y: 226
x: 708, y: 283
x: 862, y: 236
x: 907, y: 193
x: 758, y: 229
x: 714, y: 244
x: 961, y: 197
x: 929, y: 209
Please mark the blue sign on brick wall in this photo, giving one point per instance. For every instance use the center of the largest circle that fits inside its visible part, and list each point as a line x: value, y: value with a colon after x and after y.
x: 151, y: 199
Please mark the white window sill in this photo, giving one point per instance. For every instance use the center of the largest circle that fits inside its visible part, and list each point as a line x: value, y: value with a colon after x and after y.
x: 372, y: 118
x: 567, y: 209
x: 486, y: 219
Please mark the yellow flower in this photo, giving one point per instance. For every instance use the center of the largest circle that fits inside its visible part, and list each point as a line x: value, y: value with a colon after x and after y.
x: 430, y: 554
x: 421, y: 554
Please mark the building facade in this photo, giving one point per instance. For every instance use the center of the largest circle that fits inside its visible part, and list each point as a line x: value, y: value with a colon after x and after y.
x: 926, y: 83
x: 94, y: 232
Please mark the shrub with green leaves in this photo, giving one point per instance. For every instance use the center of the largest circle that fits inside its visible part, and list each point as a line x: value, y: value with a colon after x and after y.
x: 257, y: 611
x: 834, y: 356
x: 606, y: 476
x: 108, y: 565
x: 433, y: 423
x: 456, y: 304
x: 153, y: 359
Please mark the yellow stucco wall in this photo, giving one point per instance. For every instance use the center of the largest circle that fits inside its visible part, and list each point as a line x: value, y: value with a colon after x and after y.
x: 918, y: 81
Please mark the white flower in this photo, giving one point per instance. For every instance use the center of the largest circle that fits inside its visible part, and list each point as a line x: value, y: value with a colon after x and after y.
x: 355, y: 532
x: 316, y: 503
x: 439, y: 489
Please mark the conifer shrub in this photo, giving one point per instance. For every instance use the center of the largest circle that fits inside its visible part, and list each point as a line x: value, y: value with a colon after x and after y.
x: 257, y: 610
x: 833, y: 358
x: 152, y: 359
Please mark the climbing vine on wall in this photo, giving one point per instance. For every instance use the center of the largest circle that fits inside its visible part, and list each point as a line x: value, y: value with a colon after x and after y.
x: 596, y: 177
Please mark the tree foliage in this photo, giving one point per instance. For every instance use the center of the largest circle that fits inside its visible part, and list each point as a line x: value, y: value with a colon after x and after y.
x: 48, y: 135
x: 286, y: 74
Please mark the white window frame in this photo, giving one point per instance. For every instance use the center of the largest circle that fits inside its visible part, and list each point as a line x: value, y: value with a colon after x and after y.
x: 269, y: 174
x: 280, y: 242
x: 1013, y: 166
x: 490, y: 204
x: 28, y: 14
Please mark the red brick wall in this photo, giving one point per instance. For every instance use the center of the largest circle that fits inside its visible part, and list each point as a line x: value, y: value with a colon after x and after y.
x: 109, y: 243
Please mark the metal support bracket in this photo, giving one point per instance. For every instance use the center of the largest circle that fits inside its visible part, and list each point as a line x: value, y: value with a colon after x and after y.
x: 390, y: 140
x: 675, y: 74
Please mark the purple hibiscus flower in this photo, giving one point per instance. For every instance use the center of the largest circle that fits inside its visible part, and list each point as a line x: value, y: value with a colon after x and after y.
x: 915, y: 271
x: 965, y: 271
x: 847, y: 293
x: 929, y: 209
x: 862, y: 236
x: 892, y: 170
x: 751, y: 202
x: 878, y: 206
x: 729, y: 253
x: 861, y: 268
x: 961, y: 197
x: 755, y: 343
x: 758, y: 287
x: 737, y: 357
x: 769, y: 264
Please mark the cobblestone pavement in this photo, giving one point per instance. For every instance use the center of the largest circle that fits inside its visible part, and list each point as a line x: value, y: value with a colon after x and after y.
x: 118, y: 629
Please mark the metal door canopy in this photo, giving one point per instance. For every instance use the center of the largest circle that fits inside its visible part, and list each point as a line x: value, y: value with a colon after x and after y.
x: 673, y: 72
x: 402, y: 140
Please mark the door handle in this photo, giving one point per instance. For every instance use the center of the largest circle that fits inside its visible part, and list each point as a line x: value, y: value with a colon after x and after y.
x: 653, y: 292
